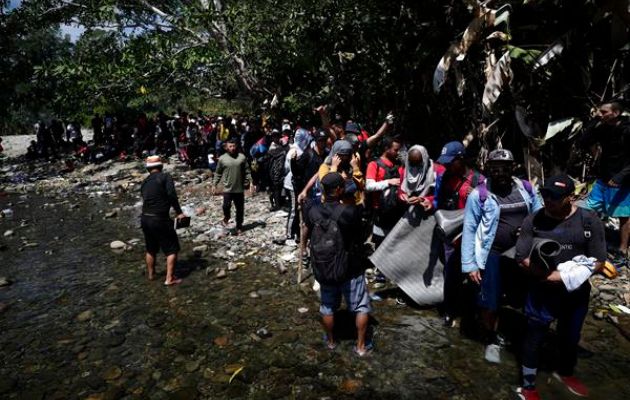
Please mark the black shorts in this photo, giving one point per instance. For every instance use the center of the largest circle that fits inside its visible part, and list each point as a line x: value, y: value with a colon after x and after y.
x: 159, y: 233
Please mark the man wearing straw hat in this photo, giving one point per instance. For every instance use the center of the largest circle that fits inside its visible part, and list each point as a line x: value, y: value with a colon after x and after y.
x: 158, y: 196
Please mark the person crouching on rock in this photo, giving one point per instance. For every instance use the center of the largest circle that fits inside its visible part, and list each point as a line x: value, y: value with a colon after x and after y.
x: 158, y: 196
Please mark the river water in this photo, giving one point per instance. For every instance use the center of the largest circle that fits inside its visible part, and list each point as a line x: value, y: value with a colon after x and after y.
x: 80, y: 321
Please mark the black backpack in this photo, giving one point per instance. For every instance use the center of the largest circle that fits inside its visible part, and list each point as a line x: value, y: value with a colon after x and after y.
x: 390, y: 209
x: 329, y: 257
x: 276, y: 165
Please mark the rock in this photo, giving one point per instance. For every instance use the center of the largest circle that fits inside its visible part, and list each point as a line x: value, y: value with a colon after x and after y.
x: 85, y: 316
x: 600, y: 314
x: 282, y: 269
x: 4, y: 281
x: 302, y: 310
x: 254, y: 295
x: 200, y: 210
x: 201, y: 238
x: 111, y: 214
x: 117, y: 245
x: 232, y: 266
x: 288, y: 257
x: 608, y: 288
x: 191, y: 366
x: 8, y: 233
x: 606, y: 296
x: 221, y: 274
x: 230, y: 253
x: 221, y: 341
x: 350, y: 386
x: 200, y: 250
x: 112, y: 373
x: 263, y: 333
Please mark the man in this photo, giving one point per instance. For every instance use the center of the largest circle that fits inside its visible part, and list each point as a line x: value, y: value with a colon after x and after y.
x: 158, y: 196
x: 276, y: 160
x: 611, y: 194
x: 351, y: 283
x: 382, y: 181
x: 453, y: 182
x: 579, y: 232
x: 97, y: 129
x: 494, y: 213
x: 233, y: 171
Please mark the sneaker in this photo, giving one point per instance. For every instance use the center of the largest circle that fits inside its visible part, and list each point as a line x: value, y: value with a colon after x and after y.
x: 401, y: 301
x: 573, y: 384
x: 527, y: 394
x: 279, y: 242
x: 493, y: 353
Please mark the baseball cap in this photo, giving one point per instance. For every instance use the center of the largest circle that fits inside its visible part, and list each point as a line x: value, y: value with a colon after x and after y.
x: 352, y: 127
x: 153, y: 161
x: 321, y: 135
x: 500, y: 155
x: 332, y: 180
x: 450, y: 151
x: 558, y: 187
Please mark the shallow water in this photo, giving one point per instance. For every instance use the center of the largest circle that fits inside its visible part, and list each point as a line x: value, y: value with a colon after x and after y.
x: 81, y: 321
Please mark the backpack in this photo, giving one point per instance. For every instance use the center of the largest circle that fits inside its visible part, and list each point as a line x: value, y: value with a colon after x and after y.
x: 276, y: 165
x: 389, y: 204
x: 329, y: 257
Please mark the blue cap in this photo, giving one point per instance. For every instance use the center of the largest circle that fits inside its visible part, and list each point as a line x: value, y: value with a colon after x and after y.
x: 451, y: 151
x: 352, y: 127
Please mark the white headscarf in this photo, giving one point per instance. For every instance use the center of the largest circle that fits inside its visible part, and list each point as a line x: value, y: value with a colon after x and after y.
x: 418, y: 179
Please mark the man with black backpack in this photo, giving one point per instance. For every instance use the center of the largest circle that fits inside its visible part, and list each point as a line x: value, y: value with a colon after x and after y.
x: 382, y: 181
x: 275, y: 167
x: 335, y: 260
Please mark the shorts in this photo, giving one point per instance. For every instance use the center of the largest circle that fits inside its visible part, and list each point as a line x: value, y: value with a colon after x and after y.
x: 354, y: 291
x: 159, y: 233
x: 489, y: 296
x: 608, y: 200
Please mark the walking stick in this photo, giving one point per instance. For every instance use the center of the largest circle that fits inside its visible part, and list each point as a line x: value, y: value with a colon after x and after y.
x: 302, y: 245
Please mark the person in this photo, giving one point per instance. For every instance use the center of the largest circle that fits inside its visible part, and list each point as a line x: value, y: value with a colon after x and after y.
x: 97, y: 128
x: 233, y: 171
x: 382, y: 181
x: 305, y: 166
x: 611, y: 194
x: 454, y: 181
x: 493, y: 215
x: 352, y: 282
x: 343, y: 160
x: 580, y: 235
x: 276, y: 160
x: 158, y: 197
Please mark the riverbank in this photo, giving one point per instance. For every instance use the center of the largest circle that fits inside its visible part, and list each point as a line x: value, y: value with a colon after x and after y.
x: 81, y: 321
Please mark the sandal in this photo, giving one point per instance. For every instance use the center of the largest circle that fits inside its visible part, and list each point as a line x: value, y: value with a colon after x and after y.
x: 328, y: 345
x: 175, y: 281
x: 369, y: 346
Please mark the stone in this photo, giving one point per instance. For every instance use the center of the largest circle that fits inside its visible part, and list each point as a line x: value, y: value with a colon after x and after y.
x: 8, y: 233
x: 350, y: 386
x: 4, y: 281
x: 111, y: 214
x: 606, y: 296
x: 112, y: 373
x: 191, y: 366
x: 302, y: 310
x: 254, y: 295
x: 85, y: 316
x: 201, y: 238
x: 232, y: 266
x: 117, y: 245
x: 263, y: 333
x: 221, y: 274
x: 200, y: 250
x: 221, y: 341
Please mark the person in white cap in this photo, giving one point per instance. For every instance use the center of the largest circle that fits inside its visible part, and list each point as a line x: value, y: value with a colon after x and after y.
x: 158, y: 196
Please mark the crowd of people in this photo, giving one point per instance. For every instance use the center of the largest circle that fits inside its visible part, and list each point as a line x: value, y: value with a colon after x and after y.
x: 346, y: 189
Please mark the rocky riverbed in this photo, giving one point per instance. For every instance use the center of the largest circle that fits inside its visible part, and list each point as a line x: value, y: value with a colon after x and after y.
x: 79, y: 319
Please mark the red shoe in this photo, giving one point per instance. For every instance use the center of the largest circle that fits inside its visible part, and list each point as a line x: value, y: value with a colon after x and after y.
x: 527, y: 394
x: 573, y: 384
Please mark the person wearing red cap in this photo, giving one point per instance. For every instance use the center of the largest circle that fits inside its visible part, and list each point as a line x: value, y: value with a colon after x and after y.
x: 579, y: 232
x: 158, y: 196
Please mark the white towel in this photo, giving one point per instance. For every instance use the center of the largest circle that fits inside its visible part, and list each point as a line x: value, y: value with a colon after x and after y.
x: 576, y: 271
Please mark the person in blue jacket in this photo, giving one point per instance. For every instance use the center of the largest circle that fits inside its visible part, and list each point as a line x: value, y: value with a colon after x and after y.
x: 493, y: 215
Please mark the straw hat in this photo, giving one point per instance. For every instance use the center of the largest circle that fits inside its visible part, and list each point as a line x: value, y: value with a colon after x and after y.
x: 153, y: 161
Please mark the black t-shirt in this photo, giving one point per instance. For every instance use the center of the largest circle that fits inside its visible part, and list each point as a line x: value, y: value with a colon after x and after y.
x: 580, y: 234
x: 513, y: 210
x: 158, y: 195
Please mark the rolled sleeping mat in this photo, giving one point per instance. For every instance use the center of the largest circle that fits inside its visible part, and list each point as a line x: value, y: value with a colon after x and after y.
x: 540, y: 256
